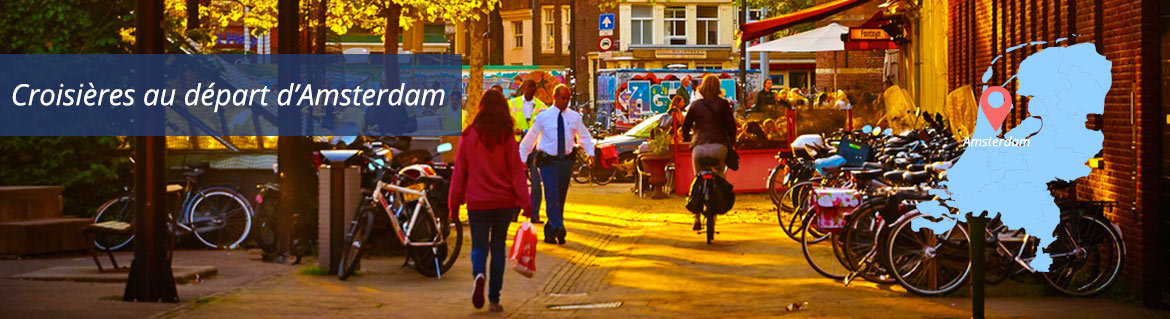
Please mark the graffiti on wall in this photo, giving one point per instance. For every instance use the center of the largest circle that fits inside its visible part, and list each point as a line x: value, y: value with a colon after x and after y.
x: 510, y: 81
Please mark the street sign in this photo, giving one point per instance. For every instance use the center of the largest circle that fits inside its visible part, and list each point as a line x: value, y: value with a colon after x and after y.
x: 605, y: 55
x: 606, y: 22
x: 605, y: 43
x: 605, y: 33
x: 868, y: 34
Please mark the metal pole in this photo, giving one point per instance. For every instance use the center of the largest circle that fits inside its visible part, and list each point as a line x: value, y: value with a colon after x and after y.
x: 743, y: 60
x: 976, y: 229
x: 288, y: 36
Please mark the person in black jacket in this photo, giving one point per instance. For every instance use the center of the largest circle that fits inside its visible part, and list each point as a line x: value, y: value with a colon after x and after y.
x: 713, y: 122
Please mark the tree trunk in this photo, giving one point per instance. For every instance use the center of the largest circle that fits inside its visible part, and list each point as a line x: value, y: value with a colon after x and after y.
x: 150, y: 278
x: 390, y: 43
x: 475, y: 59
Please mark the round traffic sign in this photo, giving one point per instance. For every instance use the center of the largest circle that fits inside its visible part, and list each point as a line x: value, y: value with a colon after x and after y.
x: 605, y: 43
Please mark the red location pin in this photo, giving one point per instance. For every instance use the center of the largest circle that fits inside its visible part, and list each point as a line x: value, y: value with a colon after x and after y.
x: 998, y: 111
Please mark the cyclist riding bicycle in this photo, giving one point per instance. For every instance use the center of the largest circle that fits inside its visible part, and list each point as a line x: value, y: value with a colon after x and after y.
x: 713, y: 122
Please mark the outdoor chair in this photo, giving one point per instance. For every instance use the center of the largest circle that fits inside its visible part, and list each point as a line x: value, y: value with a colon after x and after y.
x: 92, y: 231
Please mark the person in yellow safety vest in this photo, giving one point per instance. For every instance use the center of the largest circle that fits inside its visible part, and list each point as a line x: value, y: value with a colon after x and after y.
x: 524, y: 107
x: 524, y: 110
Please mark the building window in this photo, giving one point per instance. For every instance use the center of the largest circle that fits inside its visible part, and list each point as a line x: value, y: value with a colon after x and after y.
x: 676, y: 25
x: 708, y: 26
x: 517, y: 34
x: 565, y: 17
x: 641, y: 25
x: 756, y: 14
x: 548, y: 39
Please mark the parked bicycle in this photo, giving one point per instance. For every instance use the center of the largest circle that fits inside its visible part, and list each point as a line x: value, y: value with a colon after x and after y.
x: 218, y: 216
x: 404, y: 196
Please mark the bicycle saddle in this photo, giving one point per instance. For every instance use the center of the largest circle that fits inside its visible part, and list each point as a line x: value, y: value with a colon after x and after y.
x: 194, y: 173
x: 708, y: 161
x: 433, y: 180
x: 916, y: 177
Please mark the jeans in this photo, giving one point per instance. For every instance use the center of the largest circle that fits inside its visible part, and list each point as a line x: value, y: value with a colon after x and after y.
x: 535, y: 191
x: 555, y: 174
x: 489, y: 230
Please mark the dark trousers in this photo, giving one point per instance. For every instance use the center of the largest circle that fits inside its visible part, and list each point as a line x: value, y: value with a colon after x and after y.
x: 555, y: 174
x: 534, y: 182
x: 489, y: 231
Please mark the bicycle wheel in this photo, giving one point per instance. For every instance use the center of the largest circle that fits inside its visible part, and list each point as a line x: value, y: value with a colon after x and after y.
x: 435, y: 260
x: 356, y: 238
x: 710, y: 227
x: 581, y: 172
x: 777, y: 183
x: 825, y: 256
x: 1086, y: 256
x: 925, y: 263
x: 601, y: 175
x: 793, y: 205
x: 861, y: 237
x: 119, y: 209
x: 220, y: 217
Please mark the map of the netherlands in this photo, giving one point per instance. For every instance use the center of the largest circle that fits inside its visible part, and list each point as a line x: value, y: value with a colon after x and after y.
x: 1064, y: 85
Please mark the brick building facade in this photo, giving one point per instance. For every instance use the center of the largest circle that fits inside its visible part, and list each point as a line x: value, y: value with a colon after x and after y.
x: 856, y: 71
x: 1133, y: 35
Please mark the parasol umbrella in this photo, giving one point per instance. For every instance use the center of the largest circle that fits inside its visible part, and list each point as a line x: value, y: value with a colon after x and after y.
x: 823, y: 39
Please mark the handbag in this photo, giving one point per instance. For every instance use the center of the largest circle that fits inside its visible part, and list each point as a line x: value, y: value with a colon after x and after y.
x: 523, y: 255
x: 732, y: 160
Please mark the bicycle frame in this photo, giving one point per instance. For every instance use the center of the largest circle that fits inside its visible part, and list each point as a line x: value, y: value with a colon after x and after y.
x: 399, y: 230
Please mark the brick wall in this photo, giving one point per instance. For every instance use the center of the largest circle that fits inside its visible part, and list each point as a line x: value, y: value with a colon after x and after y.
x: 981, y: 30
x: 858, y: 71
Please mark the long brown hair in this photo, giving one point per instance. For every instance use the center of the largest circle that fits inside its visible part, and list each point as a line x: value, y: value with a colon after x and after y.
x: 493, y: 123
x: 710, y: 87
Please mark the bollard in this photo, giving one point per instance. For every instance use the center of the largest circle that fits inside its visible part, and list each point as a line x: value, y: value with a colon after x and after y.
x: 977, y: 229
x: 337, y: 203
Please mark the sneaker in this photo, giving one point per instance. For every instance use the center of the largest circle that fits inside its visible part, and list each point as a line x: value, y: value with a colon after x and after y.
x: 550, y: 240
x: 698, y: 225
x: 495, y: 307
x: 477, y: 294
x: 561, y: 236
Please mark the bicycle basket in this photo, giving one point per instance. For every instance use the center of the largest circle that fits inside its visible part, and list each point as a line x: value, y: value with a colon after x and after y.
x: 833, y: 205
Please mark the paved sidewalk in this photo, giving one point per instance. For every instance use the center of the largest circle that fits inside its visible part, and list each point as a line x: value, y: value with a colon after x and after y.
x: 638, y: 258
x: 67, y: 299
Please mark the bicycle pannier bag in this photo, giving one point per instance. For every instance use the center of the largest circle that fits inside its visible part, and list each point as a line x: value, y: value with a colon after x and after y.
x: 832, y: 205
x: 523, y: 255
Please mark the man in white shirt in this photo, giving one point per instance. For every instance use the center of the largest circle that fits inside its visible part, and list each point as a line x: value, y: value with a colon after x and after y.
x: 554, y: 133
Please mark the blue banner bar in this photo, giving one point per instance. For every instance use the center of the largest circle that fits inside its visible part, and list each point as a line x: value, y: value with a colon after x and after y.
x: 230, y: 95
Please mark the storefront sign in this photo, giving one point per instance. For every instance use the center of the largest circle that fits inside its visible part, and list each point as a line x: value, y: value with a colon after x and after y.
x: 868, y: 34
x: 680, y: 54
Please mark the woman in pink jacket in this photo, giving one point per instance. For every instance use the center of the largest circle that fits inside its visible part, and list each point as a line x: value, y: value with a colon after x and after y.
x: 490, y: 178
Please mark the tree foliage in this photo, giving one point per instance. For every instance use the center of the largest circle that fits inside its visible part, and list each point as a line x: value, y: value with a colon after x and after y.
x: 64, y: 26
x: 86, y: 167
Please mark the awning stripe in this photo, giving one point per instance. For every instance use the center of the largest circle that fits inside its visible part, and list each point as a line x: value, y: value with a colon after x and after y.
x: 757, y: 29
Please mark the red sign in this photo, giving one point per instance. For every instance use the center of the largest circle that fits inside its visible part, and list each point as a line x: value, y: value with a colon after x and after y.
x: 605, y: 43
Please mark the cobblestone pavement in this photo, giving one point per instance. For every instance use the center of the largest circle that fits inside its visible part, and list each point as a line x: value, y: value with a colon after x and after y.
x: 629, y: 257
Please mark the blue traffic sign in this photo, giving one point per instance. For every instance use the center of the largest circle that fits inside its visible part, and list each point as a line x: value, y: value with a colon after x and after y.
x: 606, y: 21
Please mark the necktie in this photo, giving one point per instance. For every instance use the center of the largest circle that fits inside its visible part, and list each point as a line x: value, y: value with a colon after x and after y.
x: 560, y: 135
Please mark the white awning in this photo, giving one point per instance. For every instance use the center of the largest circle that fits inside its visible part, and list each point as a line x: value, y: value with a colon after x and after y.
x: 826, y: 38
